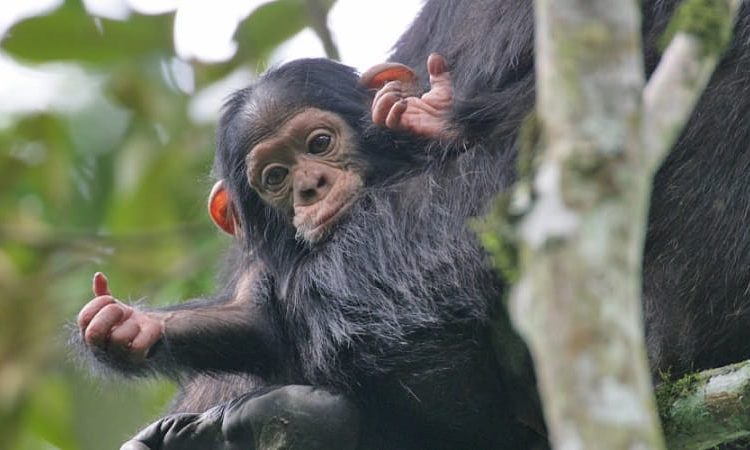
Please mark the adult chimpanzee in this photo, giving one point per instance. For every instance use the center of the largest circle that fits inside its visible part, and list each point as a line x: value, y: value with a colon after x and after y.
x: 696, y: 277
x: 388, y: 302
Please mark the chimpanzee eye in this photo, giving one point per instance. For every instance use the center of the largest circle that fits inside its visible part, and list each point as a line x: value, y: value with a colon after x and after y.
x: 319, y: 143
x: 274, y: 176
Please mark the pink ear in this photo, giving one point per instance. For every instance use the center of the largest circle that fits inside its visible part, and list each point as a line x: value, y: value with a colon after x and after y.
x: 221, y: 209
x: 377, y: 76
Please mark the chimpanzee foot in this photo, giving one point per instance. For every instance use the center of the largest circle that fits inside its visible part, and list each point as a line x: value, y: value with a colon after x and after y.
x: 397, y: 104
x: 286, y: 418
x: 183, y: 431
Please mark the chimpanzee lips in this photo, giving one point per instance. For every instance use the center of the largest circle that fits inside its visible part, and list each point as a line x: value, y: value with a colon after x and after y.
x: 328, y: 218
x: 314, y: 222
x: 334, y: 214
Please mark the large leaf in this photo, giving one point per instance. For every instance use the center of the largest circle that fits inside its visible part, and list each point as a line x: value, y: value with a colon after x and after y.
x: 270, y: 25
x: 260, y: 34
x: 70, y: 34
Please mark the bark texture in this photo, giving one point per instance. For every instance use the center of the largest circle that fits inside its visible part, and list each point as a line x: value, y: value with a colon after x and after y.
x: 703, y: 410
x: 603, y: 134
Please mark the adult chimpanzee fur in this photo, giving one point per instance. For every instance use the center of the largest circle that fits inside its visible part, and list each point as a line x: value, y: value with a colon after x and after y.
x: 696, y: 278
x: 393, y: 310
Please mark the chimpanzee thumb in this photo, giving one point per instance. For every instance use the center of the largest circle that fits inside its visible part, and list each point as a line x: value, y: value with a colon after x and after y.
x: 100, y: 285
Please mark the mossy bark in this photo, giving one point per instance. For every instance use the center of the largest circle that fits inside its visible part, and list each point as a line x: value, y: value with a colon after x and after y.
x: 703, y: 410
x: 580, y: 237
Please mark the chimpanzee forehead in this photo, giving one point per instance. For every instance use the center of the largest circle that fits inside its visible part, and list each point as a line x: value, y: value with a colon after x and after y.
x: 292, y: 132
x: 317, y: 83
x: 256, y: 113
x: 266, y: 110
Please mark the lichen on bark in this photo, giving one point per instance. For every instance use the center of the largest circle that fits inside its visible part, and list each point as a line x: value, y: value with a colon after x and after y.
x: 707, y: 20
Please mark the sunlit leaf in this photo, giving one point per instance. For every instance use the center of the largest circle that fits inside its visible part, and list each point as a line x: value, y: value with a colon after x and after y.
x: 71, y: 34
x: 269, y: 26
x: 118, y: 186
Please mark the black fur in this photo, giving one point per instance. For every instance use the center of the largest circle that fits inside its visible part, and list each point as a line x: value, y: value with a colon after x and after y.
x: 396, y: 304
x: 696, y: 278
x: 394, y: 308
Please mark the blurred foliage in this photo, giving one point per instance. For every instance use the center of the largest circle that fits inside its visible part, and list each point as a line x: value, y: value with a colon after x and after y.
x: 118, y: 187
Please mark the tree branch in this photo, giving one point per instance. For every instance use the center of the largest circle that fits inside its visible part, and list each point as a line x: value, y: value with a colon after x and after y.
x: 703, y: 410
x: 704, y: 27
x: 578, y: 302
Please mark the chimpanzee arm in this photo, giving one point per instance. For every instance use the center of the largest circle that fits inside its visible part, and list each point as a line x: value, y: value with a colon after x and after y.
x: 231, y: 332
x: 234, y: 335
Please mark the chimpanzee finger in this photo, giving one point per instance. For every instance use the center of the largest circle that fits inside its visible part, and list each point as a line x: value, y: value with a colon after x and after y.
x: 100, y: 285
x: 393, y: 120
x: 382, y: 109
x: 436, y: 65
x: 392, y: 87
x: 100, y: 326
x: 440, y: 77
x: 92, y: 308
x: 149, y: 334
x: 124, y: 335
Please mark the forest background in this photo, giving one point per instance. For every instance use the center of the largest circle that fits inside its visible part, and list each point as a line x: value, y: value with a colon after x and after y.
x: 107, y: 116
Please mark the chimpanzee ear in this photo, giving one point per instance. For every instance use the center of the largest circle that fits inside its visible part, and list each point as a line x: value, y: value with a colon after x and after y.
x: 221, y: 208
x: 377, y: 76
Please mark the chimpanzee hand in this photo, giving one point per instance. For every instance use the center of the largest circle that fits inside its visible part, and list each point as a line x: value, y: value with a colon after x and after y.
x: 289, y: 418
x: 396, y: 104
x: 115, y: 328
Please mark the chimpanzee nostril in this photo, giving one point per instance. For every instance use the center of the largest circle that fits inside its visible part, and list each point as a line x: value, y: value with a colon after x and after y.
x: 308, y: 194
x: 311, y: 184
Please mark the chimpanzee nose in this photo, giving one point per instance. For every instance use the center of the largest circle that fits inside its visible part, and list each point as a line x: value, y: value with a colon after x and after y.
x: 310, y: 186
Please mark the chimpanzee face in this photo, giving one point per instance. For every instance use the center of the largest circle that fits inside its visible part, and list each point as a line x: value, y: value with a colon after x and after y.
x: 306, y: 170
x: 303, y: 167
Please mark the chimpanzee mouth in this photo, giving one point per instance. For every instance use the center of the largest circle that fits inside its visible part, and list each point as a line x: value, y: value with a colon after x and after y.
x: 316, y: 222
x: 314, y: 231
x: 330, y: 217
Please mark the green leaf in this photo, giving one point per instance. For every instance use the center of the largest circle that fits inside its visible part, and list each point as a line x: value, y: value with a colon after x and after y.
x: 269, y: 26
x: 70, y: 34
